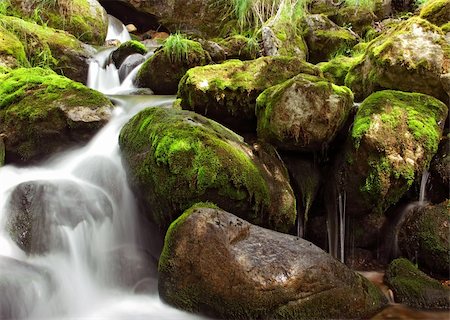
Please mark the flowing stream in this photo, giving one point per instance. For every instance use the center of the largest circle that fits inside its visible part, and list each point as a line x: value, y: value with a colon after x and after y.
x: 91, y: 258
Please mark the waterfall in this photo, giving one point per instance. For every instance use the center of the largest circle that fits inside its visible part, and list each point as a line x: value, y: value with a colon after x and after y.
x: 90, y: 257
x: 336, y: 225
x: 116, y: 30
x: 423, y: 186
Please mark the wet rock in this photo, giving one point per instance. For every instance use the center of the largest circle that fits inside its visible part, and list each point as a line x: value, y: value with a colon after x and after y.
x: 85, y: 19
x: 51, y: 48
x: 42, y: 113
x: 414, y: 288
x: 439, y: 183
x: 130, y: 62
x: 200, y: 160
x: 424, y: 236
x: 215, y: 50
x: 162, y: 71
x: 240, y: 47
x: 36, y: 209
x: 227, y: 92
x: 126, y: 49
x: 21, y: 287
x: 409, y: 57
x: 216, y: 262
x: 304, y: 113
x: 324, y: 37
x: 394, y: 136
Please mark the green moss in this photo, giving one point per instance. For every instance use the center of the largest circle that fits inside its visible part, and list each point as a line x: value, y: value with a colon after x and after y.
x: 192, y: 156
x: 418, y: 110
x: 414, y: 288
x: 177, y: 48
x: 42, y: 44
x: 11, y: 45
x: 337, y: 68
x: 446, y: 27
x: 134, y: 46
x: 436, y: 11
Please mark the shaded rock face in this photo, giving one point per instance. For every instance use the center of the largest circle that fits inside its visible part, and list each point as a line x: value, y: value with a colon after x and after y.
x: 302, y: 114
x: 20, y: 282
x: 324, y: 37
x: 227, y: 92
x: 414, y: 288
x: 410, y: 57
x: 440, y: 173
x: 163, y: 71
x: 424, y: 236
x: 85, y: 19
x: 216, y: 262
x: 394, y: 137
x: 36, y: 210
x: 42, y: 113
x: 176, y: 158
x: 52, y: 48
x: 126, y: 49
x: 201, y: 17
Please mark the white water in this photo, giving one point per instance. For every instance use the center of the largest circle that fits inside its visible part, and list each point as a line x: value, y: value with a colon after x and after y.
x: 423, y: 186
x: 98, y: 267
x: 116, y: 30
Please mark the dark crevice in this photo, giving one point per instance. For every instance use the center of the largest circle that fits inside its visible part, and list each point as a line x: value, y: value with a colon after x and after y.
x: 129, y: 15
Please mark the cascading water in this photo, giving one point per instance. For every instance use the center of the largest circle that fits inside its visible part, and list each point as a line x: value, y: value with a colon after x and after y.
x: 88, y: 258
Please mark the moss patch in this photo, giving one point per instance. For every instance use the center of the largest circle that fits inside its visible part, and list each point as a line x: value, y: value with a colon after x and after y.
x: 197, y: 160
x: 414, y: 288
x: 436, y: 11
x: 10, y: 45
x: 337, y: 68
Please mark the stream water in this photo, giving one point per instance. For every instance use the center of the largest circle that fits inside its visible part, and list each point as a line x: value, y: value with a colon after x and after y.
x: 98, y: 265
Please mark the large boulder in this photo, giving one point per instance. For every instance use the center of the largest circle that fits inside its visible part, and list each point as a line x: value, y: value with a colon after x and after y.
x: 42, y: 113
x: 414, y: 288
x: 227, y: 92
x: 215, y: 262
x: 12, y: 52
x: 394, y: 136
x: 163, y: 71
x: 55, y: 49
x: 85, y: 19
x: 130, y: 62
x: 303, y: 114
x: 324, y: 37
x: 436, y: 11
x: 424, y: 236
x: 37, y: 209
x: 176, y: 158
x: 412, y: 56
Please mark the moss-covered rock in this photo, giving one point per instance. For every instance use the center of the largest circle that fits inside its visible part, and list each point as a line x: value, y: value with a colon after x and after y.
x: 240, y: 47
x: 2, y: 152
x: 227, y: 92
x: 324, y: 37
x: 162, y: 71
x: 303, y: 113
x: 425, y: 236
x: 359, y: 19
x: 42, y: 112
x: 409, y: 57
x: 85, y: 19
x: 47, y: 47
x: 436, y: 11
x: 394, y: 136
x: 217, y: 263
x: 12, y: 52
x: 337, y: 68
x: 176, y: 158
x: 126, y: 49
x: 414, y: 288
